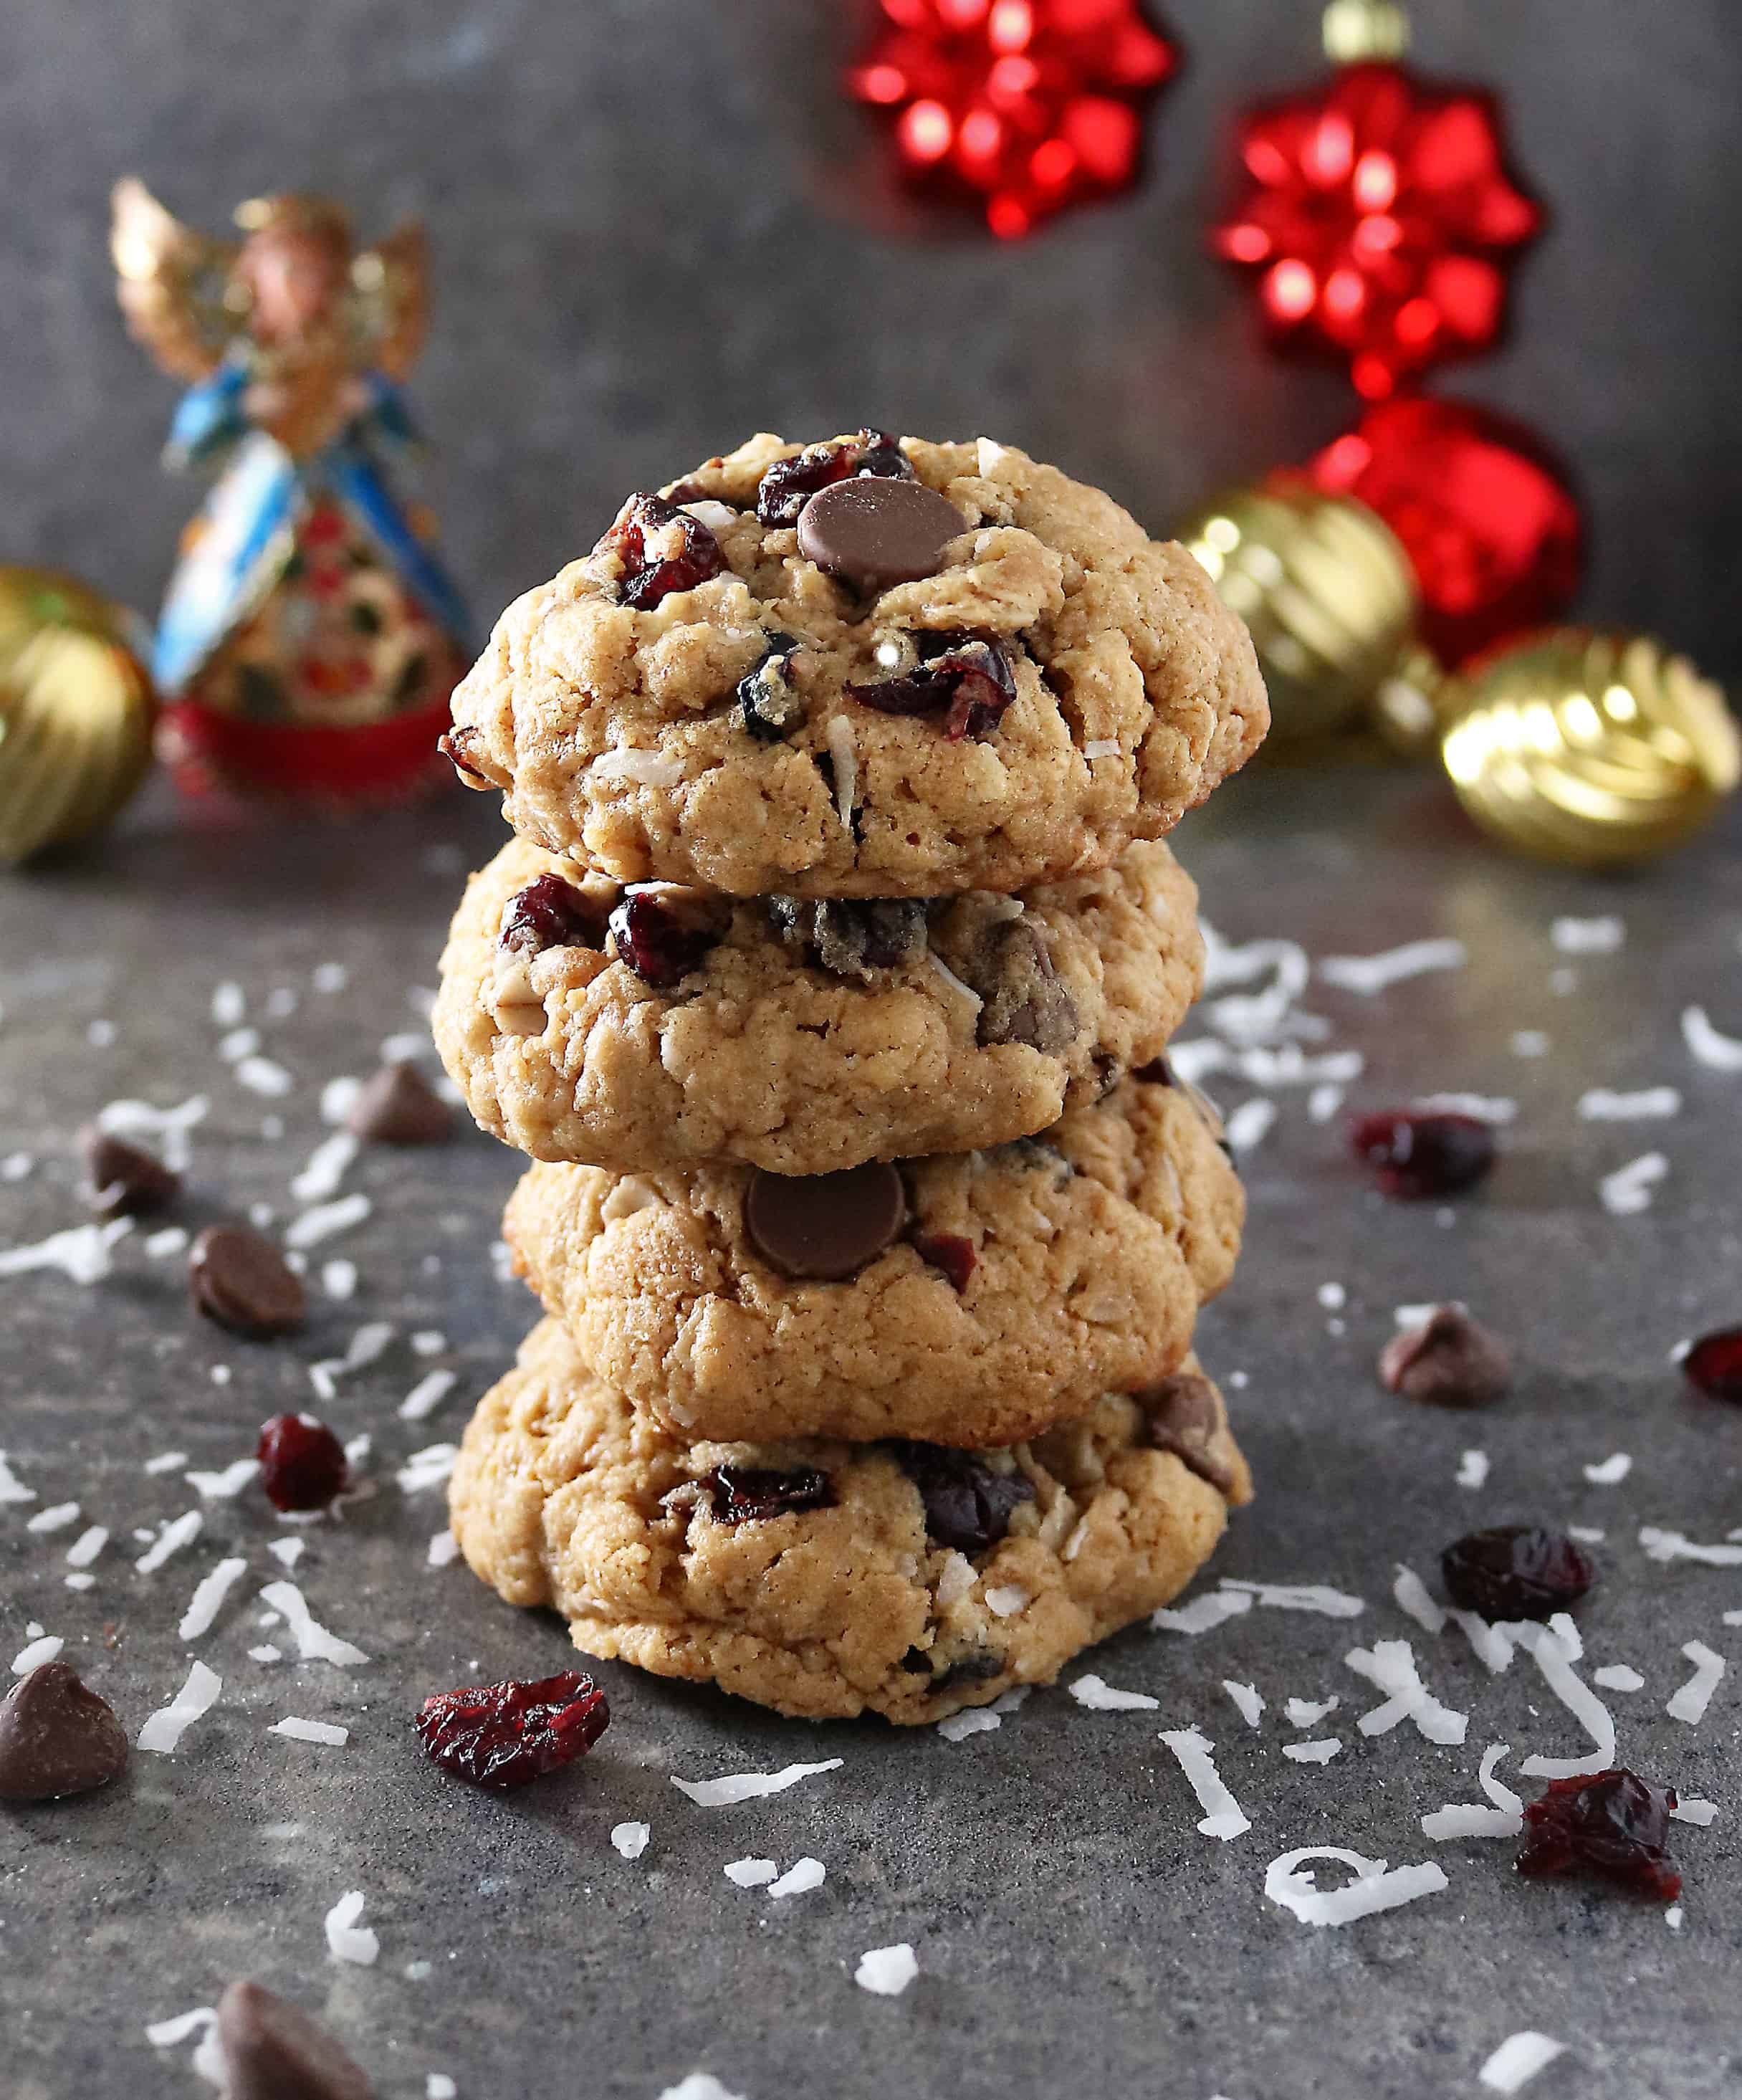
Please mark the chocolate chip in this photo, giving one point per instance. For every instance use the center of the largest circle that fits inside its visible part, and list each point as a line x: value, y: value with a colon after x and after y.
x: 979, y: 1668
x: 57, y: 1736
x: 123, y: 1180
x: 873, y: 533
x: 398, y: 1106
x: 742, y: 1494
x: 852, y: 936
x: 1448, y: 1360
x: 272, y: 2050
x: 241, y: 1281
x: 1183, y: 1414
x: 968, y: 1504
x: 825, y: 1226
x: 1023, y: 1000
x: 772, y: 706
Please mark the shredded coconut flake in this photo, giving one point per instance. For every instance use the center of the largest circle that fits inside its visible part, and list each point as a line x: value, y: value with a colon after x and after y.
x: 1376, y: 1886
x: 55, y: 1518
x: 207, y: 1598
x: 748, y: 1786
x: 1005, y: 1600
x: 286, y: 1551
x: 803, y: 1875
x: 971, y: 1721
x: 886, y: 1971
x: 1308, y: 1713
x: 1689, y: 1704
x: 163, y: 1730
x: 631, y: 1839
x: 963, y: 991
x: 647, y: 768
x: 325, y: 1220
x: 12, y: 1490
x: 1600, y: 1105
x: 1618, y: 1677
x: 751, y: 1873
x: 426, y: 1395
x: 1719, y: 1054
x: 698, y: 2085
x: 1485, y: 1108
x: 427, y: 1468
x: 1246, y: 1700
x: 1675, y: 1546
x: 1628, y: 1190
x: 1101, y: 747
x: 263, y: 1076
x: 80, y: 1252
x: 1318, y: 1753
x: 1392, y: 1665
x: 347, y: 1940
x: 1609, y: 1472
x: 444, y: 1549
x: 168, y: 1129
x: 181, y: 1531
x: 1691, y: 1809
x: 845, y: 753
x: 87, y: 1546
x: 1100, y: 1697
x: 314, y: 1642
x: 338, y: 1097
x: 1520, y: 2056
x: 1215, y: 1608
x: 1411, y: 1593
x: 180, y: 2027
x: 34, y: 1653
x: 1369, y: 974
x: 1473, y: 1468
x: 1223, y: 1816
x: 222, y: 1487
x: 1580, y: 1701
x: 1250, y: 1124
x: 325, y: 1168
x: 309, y: 1732
x: 1300, y: 1597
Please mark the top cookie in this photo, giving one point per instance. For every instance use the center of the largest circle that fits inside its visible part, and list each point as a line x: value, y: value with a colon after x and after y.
x: 790, y: 674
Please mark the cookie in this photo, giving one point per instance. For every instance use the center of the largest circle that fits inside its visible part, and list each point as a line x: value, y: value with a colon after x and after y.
x: 628, y: 1029
x: 968, y: 1298
x: 789, y: 675
x: 828, y: 1579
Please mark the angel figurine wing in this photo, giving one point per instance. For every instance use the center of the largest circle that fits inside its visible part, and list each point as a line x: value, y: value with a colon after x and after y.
x: 170, y: 281
x: 391, y: 278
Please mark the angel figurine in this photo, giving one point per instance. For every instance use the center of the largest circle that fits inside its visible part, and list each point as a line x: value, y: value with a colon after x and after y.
x: 309, y: 637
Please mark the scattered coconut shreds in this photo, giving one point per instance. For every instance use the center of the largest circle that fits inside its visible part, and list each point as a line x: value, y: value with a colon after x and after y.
x: 1250, y: 1124
x: 80, y: 1252
x: 1504, y: 1819
x: 751, y: 1873
x: 17, y: 1167
x: 167, y: 1128
x: 631, y: 1839
x: 1673, y: 1917
x: 1473, y: 1467
x: 55, y: 1518
x: 286, y: 1551
x: 1493, y: 1651
x: 171, y: 1240
x: 338, y: 1278
x: 1300, y: 1597
x: 1588, y: 937
x: 263, y: 1076
x: 1318, y: 1753
x: 370, y: 1341
x: 1392, y: 1665
x: 181, y: 2026
x: 1308, y: 1713
x: 1691, y: 1809
x: 1565, y: 1631
x: 748, y: 1786
x: 12, y: 1490
x: 843, y: 752
x: 444, y: 1549
x: 1706, y: 1046
x: 1203, y: 1614
x: 1370, y: 974
x: 338, y: 1097
x: 1376, y: 1885
x: 1600, y: 1105
x: 325, y: 1220
x: 1520, y: 2056
x: 1101, y: 747
x: 1689, y: 1704
x: 222, y: 1487
x: 426, y: 1395
x: 207, y: 1598
x: 1485, y: 1108
x: 329, y: 977
x: 969, y: 997
x: 886, y: 1971
x: 314, y: 1642
x: 698, y: 2085
x: 326, y: 1167
x: 803, y: 1875
x: 437, y: 2085
x: 1223, y: 1816
x: 163, y: 1730
x: 309, y: 1732
x: 1628, y: 1190
x: 1100, y: 1697
x: 347, y: 1940
x: 239, y: 1043
x: 1579, y: 1700
x: 33, y: 1653
x: 1618, y: 1677
x: 229, y: 1004
x: 1609, y: 1472
x: 179, y: 1532
x: 1411, y: 1593
x: 429, y: 1342
x: 1246, y: 1700
x: 1675, y: 1546
x: 1323, y: 1103
x: 87, y: 1546
x: 267, y: 1652
x: 427, y: 1468
x: 166, y: 1461
x: 971, y: 1721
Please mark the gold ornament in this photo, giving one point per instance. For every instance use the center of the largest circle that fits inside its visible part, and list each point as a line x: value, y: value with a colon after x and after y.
x: 76, y: 712
x: 1588, y: 748
x: 1325, y: 586
x: 1356, y: 31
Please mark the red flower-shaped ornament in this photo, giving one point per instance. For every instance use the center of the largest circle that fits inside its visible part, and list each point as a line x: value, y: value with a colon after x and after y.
x: 1025, y: 106
x: 1378, y: 213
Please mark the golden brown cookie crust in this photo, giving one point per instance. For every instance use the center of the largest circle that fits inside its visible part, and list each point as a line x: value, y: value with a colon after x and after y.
x: 1094, y: 1248
x: 614, y: 734
x: 564, y: 1495
x: 763, y: 1056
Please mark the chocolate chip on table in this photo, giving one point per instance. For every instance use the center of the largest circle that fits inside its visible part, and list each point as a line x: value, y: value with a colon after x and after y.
x: 123, y: 1180
x: 790, y: 484
x: 551, y: 913
x: 744, y: 1494
x: 1182, y: 1415
x: 398, y: 1106
x: 1518, y: 1571
x: 825, y: 1228
x: 272, y: 2050
x: 57, y: 1737
x: 968, y: 1503
x: 852, y: 936
x: 967, y: 679
x: 240, y: 1279
x: 1023, y: 1001
x: 1448, y: 1360
x: 873, y: 533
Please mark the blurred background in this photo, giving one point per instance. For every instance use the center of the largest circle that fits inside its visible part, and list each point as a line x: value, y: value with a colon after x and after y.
x: 658, y: 225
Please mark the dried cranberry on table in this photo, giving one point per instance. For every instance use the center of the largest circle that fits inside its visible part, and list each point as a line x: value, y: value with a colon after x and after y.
x: 662, y: 549
x: 790, y: 484
x: 1448, y: 1361
x: 1714, y: 1364
x: 968, y: 1504
x: 551, y: 913
x: 1423, y: 1153
x: 302, y: 1464
x: 507, y: 1735
x: 968, y: 680
x: 661, y: 935
x: 1613, y: 1823
x: 744, y: 1494
x: 1519, y: 1571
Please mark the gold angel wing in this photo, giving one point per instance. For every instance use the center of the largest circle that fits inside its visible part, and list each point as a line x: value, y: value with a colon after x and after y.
x: 392, y: 281
x: 170, y: 281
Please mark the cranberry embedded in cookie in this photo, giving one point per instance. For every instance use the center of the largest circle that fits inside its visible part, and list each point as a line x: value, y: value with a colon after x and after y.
x: 964, y: 683
x: 661, y: 549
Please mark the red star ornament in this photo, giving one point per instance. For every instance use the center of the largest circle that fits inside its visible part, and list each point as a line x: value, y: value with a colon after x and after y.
x: 1378, y: 213
x: 1024, y: 106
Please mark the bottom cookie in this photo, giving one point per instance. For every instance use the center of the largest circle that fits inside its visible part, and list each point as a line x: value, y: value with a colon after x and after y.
x: 828, y: 1579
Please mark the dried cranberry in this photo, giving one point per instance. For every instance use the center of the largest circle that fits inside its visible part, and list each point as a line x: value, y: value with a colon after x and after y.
x: 302, y: 1464
x: 790, y: 484
x: 662, y: 549
x: 968, y: 1505
x: 1517, y: 1571
x: 949, y: 1251
x: 662, y: 936
x: 771, y: 706
x: 744, y: 1494
x: 1714, y: 1364
x: 551, y: 913
x: 506, y: 1735
x: 1613, y: 1823
x: 968, y: 680
x: 1423, y: 1154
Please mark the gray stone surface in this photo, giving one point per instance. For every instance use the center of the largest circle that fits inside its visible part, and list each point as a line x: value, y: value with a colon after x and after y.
x: 1074, y: 1930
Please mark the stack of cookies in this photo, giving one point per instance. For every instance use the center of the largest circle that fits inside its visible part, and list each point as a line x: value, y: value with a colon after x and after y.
x: 828, y: 984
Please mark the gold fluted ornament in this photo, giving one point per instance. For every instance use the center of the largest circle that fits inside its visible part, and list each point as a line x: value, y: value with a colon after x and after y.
x: 1588, y: 747
x: 76, y: 712
x: 1326, y: 590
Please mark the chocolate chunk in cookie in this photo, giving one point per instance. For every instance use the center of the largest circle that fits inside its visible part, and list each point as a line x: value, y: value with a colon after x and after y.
x: 771, y: 704
x: 1183, y: 1414
x: 874, y: 533
x: 825, y: 1227
x: 967, y: 1503
x: 1023, y: 1001
x: 851, y: 937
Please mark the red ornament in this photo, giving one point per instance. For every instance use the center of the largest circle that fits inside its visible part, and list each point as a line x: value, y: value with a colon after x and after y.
x: 1377, y: 212
x: 1494, y: 532
x: 1024, y: 105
